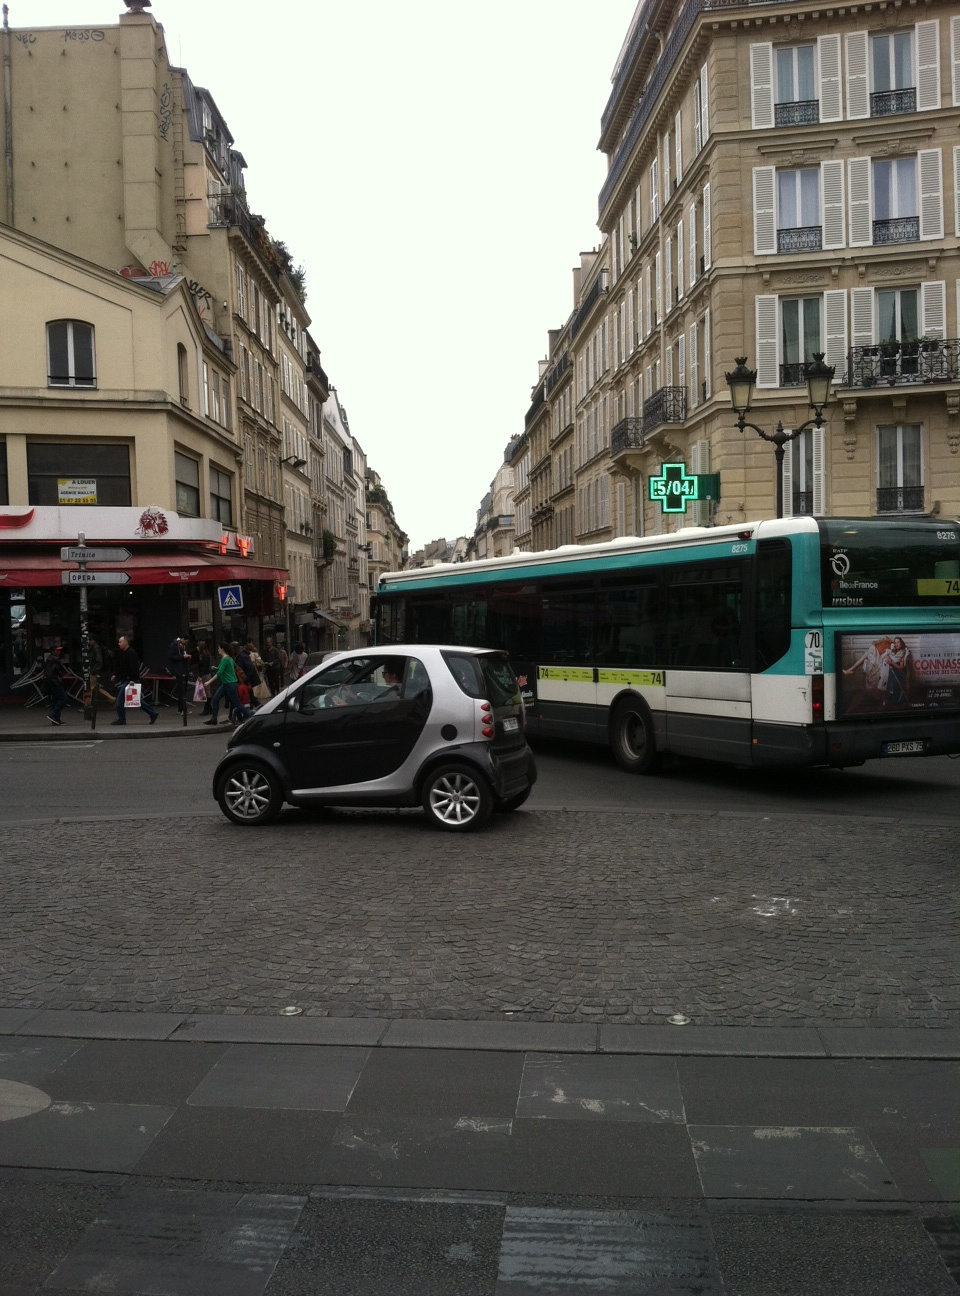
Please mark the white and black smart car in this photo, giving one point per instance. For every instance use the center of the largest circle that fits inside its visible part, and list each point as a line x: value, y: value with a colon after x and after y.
x: 435, y: 726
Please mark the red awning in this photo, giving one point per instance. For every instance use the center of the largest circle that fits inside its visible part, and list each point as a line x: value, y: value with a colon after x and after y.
x: 178, y: 567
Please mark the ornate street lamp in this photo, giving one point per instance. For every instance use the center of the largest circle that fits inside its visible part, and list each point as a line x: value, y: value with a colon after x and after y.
x: 742, y: 382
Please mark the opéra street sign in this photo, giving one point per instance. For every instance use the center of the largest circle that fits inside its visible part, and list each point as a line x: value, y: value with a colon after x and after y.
x: 94, y: 578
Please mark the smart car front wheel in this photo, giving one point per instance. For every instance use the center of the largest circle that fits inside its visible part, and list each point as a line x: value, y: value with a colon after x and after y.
x: 249, y: 795
x: 456, y: 798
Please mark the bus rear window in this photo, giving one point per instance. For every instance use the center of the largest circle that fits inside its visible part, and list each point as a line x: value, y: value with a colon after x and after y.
x: 908, y: 563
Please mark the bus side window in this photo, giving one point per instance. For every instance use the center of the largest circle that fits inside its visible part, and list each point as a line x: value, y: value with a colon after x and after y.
x: 704, y: 616
x: 774, y: 586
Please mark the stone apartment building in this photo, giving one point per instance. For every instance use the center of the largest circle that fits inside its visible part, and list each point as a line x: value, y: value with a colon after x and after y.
x: 782, y: 181
x: 116, y: 160
x: 386, y: 544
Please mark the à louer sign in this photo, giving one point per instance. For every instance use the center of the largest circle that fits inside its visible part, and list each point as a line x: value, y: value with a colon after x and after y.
x: 675, y: 488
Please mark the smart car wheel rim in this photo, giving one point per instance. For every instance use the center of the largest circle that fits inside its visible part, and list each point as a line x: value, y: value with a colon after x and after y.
x: 455, y: 798
x: 247, y: 794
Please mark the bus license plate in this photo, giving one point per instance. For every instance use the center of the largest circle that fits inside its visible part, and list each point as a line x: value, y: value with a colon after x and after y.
x: 904, y: 748
x: 510, y: 724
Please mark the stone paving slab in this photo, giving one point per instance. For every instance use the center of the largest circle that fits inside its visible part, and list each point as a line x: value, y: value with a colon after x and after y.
x: 254, y: 1028
x: 752, y: 1041
x: 93, y: 1024
x: 517, y: 1035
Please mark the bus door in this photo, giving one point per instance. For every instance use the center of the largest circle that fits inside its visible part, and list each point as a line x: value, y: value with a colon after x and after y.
x: 566, y: 667
x: 708, y: 701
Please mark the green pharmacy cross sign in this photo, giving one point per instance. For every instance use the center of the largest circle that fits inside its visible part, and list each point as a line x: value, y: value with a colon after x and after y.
x: 675, y: 487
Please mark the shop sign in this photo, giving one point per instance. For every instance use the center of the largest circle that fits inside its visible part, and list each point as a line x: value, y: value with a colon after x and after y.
x: 77, y: 490
x: 675, y: 487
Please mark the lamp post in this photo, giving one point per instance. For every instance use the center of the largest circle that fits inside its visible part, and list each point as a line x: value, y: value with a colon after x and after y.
x: 293, y: 461
x: 742, y: 382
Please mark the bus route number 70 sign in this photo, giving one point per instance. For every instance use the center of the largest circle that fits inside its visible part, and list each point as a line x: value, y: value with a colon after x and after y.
x: 813, y: 653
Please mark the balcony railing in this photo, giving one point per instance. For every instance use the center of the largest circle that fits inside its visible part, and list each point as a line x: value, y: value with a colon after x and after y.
x: 536, y: 406
x: 887, y: 103
x: 599, y: 286
x: 793, y: 374
x: 627, y: 435
x: 668, y: 405
x: 899, y: 499
x: 900, y: 364
x: 805, y: 238
x: 902, y: 229
x: 801, y: 112
x: 557, y: 372
x: 802, y: 503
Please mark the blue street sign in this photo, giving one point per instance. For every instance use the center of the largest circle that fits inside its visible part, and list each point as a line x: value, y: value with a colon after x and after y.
x: 231, y: 598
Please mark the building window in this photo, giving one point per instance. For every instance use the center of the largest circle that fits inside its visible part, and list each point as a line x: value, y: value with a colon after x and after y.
x: 796, y: 102
x: 78, y: 474
x: 221, y: 505
x: 894, y: 86
x: 899, y: 469
x: 799, y: 338
x: 801, y: 474
x: 896, y: 216
x: 70, y: 354
x: 188, y: 484
x: 4, y: 483
x: 182, y: 374
x: 798, y: 211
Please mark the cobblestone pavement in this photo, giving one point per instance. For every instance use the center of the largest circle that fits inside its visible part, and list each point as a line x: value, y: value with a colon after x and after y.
x: 732, y: 919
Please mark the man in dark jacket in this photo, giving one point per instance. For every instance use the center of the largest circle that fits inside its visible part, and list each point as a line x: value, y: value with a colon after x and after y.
x: 178, y: 664
x: 127, y: 671
x: 53, y: 682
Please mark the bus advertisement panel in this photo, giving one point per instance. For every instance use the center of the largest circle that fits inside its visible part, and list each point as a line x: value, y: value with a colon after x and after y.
x: 890, y: 673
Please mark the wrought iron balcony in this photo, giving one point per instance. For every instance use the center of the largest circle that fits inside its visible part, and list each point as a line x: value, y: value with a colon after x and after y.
x: 627, y: 435
x: 668, y: 405
x: 801, y: 112
x: 899, y: 364
x: 599, y: 286
x: 315, y: 368
x: 793, y: 375
x: 902, y: 229
x: 887, y: 103
x: 899, y: 499
x: 557, y: 372
x: 805, y: 238
x: 802, y: 503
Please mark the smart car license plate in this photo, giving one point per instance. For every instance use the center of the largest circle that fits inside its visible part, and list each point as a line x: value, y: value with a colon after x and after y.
x: 510, y: 724
x: 904, y: 748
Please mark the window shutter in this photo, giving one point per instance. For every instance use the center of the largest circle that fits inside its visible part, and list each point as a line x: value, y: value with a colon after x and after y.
x: 694, y: 368
x: 630, y: 341
x: 831, y: 184
x: 860, y: 176
x: 693, y: 269
x: 933, y: 308
x: 698, y: 123
x: 680, y: 257
x: 955, y: 59
x: 668, y: 257
x: 787, y: 479
x: 707, y: 230
x: 764, y: 214
x: 700, y: 463
x: 658, y: 283
x: 819, y: 470
x: 665, y: 146
x: 616, y: 342
x: 956, y: 195
x: 861, y: 310
x: 648, y: 297
x: 654, y: 191
x: 621, y: 519
x: 768, y: 374
x: 928, y: 65
x: 682, y: 361
x: 858, y: 80
x: 707, y: 358
x: 704, y: 104
x: 835, y: 331
x: 678, y: 146
x: 828, y: 66
x: 761, y: 84
x: 669, y: 366
x: 929, y: 165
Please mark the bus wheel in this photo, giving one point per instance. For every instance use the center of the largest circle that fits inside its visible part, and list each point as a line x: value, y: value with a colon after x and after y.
x: 631, y: 736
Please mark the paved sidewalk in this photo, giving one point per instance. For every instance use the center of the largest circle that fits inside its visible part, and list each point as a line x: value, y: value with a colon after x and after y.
x: 242, y: 1154
x: 20, y: 723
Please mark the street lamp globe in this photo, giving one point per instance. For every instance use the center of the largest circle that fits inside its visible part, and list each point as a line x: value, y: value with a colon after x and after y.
x: 819, y: 377
x: 741, y: 383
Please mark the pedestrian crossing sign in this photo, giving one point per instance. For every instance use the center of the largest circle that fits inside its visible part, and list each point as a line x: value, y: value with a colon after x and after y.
x: 231, y: 598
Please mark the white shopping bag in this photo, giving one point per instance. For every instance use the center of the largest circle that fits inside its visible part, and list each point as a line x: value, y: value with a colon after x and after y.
x: 131, y: 695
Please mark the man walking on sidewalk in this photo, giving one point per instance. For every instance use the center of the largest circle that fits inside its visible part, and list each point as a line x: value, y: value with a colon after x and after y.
x: 128, y: 672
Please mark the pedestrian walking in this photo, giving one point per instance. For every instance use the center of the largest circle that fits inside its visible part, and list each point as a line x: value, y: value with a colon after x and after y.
x: 127, y: 671
x: 53, y: 683
x: 272, y: 665
x: 204, y: 671
x: 297, y: 661
x: 227, y: 675
x: 178, y: 664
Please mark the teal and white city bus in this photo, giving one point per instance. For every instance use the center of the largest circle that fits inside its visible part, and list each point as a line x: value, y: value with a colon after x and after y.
x: 803, y: 641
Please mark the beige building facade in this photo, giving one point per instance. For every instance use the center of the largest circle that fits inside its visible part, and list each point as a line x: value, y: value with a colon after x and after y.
x: 782, y: 181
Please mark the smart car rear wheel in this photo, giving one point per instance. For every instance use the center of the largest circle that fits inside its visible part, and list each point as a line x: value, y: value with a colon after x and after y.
x: 250, y: 795
x: 456, y: 798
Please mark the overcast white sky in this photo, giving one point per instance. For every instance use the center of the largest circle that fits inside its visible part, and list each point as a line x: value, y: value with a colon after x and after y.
x: 432, y: 164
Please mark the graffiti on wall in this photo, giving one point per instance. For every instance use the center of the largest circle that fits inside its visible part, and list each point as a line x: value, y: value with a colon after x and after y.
x: 166, y: 110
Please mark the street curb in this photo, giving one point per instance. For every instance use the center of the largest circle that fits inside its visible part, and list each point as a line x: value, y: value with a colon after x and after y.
x: 822, y: 1042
